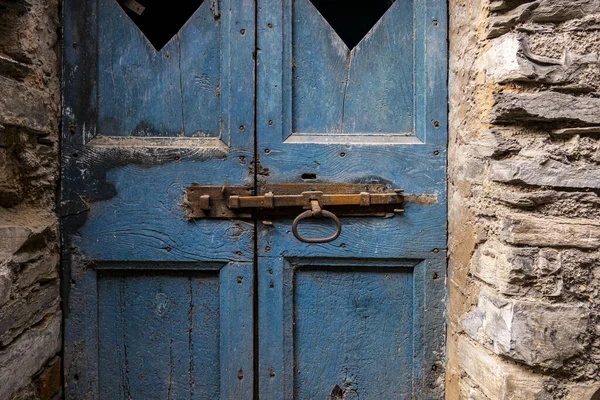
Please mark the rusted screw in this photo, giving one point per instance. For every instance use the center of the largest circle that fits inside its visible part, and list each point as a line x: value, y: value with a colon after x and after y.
x: 270, y: 25
x: 342, y: 155
x: 240, y: 279
x: 271, y: 284
x: 240, y: 374
x: 436, y: 124
x: 267, y: 151
x: 268, y: 249
x: 243, y: 31
x: 436, y: 250
x: 242, y: 127
x: 271, y: 122
x: 436, y: 153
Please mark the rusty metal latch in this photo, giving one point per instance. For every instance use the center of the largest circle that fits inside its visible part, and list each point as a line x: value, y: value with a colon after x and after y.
x: 234, y: 202
x: 317, y: 212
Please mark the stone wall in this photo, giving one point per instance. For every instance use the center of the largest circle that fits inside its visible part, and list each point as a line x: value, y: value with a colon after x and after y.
x: 524, y: 206
x: 30, y: 317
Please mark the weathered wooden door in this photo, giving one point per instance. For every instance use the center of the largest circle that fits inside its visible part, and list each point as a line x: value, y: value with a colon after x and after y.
x: 264, y: 98
x: 353, y: 92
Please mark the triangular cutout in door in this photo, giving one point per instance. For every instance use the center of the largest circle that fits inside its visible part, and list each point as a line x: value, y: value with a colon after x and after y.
x: 352, y: 19
x: 159, y: 20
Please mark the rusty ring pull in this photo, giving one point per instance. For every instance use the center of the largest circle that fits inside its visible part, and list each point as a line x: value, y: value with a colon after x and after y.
x: 317, y: 212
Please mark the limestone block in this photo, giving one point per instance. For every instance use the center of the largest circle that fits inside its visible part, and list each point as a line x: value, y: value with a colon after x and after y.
x: 491, y: 144
x: 44, y: 268
x: 497, y: 379
x: 513, y: 270
x: 583, y: 391
x: 521, y: 229
x: 13, y: 237
x: 564, y: 10
x: 538, y: 11
x: 20, y: 361
x: 20, y: 313
x: 545, y: 106
x: 503, y: 23
x: 509, y: 59
x: 21, y: 105
x: 535, y: 333
x: 5, y: 283
x: 548, y: 173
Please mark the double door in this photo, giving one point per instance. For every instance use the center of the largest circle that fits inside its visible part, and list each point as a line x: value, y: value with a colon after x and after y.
x: 172, y: 114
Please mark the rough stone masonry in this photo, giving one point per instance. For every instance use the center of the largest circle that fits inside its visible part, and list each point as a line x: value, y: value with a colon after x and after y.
x: 524, y: 212
x: 30, y: 316
x: 524, y: 272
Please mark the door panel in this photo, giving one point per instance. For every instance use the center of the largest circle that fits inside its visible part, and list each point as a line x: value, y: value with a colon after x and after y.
x: 353, y: 326
x: 156, y: 306
x: 136, y: 313
x: 392, y: 99
x: 358, y: 90
x: 171, y: 92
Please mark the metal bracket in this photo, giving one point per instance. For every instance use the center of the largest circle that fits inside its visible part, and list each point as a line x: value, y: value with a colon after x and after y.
x: 233, y: 202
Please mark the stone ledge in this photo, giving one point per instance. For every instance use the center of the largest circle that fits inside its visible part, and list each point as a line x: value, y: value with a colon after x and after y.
x: 545, y: 106
x: 535, y: 333
x: 497, y: 379
x: 522, y: 229
x: 515, y: 271
x: 22, y: 106
x: 24, y: 358
x: 510, y: 60
x: 547, y: 173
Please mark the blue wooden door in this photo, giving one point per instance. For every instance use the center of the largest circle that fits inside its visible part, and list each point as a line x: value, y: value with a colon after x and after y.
x: 252, y: 94
x: 156, y: 306
x: 353, y: 92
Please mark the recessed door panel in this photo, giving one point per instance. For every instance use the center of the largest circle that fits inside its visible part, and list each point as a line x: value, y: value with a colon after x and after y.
x: 367, y: 88
x: 353, y: 331
x: 159, y: 335
x: 167, y: 92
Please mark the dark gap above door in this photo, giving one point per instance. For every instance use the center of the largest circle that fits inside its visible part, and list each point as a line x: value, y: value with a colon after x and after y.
x: 160, y: 20
x: 352, y: 19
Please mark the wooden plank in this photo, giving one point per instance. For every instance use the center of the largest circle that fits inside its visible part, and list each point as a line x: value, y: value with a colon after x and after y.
x: 319, y: 72
x: 159, y: 335
x: 81, y: 333
x: 271, y: 365
x: 200, y: 63
x: 379, y: 97
x: 139, y: 88
x: 237, y: 332
x: 353, y: 328
x: 146, y: 220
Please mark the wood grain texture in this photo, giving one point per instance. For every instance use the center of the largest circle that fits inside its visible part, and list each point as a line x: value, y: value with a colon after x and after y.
x: 367, y: 89
x: 353, y: 328
x: 128, y: 249
x: 159, y: 335
x: 139, y: 88
x: 316, y: 308
x: 395, y: 127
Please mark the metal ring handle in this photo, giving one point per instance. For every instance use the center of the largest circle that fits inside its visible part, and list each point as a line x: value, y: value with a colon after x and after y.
x: 310, y: 214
